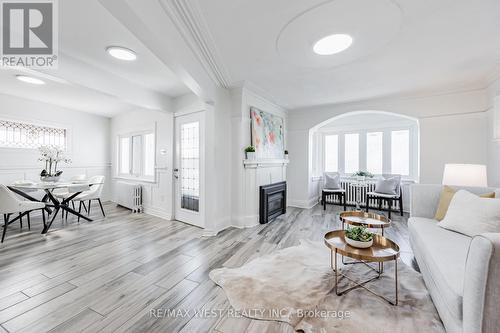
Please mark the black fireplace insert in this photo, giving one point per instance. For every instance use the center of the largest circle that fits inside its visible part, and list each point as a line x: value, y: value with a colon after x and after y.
x: 272, y: 202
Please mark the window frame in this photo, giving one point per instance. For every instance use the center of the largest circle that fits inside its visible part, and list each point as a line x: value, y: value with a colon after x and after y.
x: 361, y: 138
x: 324, y: 152
x: 383, y: 150
x: 362, y: 150
x: 140, y: 176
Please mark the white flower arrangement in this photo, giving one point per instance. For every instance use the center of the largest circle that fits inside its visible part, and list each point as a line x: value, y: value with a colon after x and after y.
x: 52, y: 156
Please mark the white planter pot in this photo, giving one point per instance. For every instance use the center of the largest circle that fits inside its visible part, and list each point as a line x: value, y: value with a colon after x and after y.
x: 358, y: 244
x: 50, y: 179
x: 251, y: 156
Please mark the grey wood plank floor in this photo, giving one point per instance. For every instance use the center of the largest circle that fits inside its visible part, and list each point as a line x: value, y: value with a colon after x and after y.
x: 107, y: 275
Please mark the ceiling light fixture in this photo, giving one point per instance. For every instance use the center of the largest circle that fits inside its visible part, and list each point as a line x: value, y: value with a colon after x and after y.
x: 121, y: 53
x: 29, y: 79
x: 332, y: 44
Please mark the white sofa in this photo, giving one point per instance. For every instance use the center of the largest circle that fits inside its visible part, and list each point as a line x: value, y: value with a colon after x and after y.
x: 461, y: 273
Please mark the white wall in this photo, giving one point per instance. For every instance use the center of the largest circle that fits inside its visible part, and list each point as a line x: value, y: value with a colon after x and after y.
x: 493, y: 147
x: 157, y: 195
x: 88, y: 137
x: 452, y: 128
x: 451, y: 139
x: 218, y: 157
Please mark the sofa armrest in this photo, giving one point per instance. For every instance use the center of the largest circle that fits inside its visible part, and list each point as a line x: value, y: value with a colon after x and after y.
x: 424, y: 200
x: 481, y: 297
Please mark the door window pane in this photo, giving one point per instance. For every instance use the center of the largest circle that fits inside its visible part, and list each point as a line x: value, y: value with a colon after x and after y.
x: 374, y: 153
x: 351, y: 152
x: 331, y: 153
x: 400, y: 152
x: 190, y: 166
x: 136, y: 154
x: 124, y: 155
x: 149, y: 154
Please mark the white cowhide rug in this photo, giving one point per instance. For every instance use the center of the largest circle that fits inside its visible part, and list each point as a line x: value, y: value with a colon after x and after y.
x: 295, y: 285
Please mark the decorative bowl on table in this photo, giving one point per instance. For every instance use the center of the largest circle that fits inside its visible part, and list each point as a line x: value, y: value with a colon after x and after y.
x: 359, y: 244
x: 359, y: 237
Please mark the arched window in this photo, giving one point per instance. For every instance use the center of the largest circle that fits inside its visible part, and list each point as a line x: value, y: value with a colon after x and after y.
x: 377, y: 142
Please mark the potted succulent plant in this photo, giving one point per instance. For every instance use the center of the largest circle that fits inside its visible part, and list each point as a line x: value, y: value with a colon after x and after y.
x: 359, y: 237
x: 250, y: 152
x: 52, y: 156
x: 362, y: 175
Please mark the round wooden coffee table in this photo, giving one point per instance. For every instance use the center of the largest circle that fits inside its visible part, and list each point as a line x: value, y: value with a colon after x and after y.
x: 382, y: 250
x: 369, y: 220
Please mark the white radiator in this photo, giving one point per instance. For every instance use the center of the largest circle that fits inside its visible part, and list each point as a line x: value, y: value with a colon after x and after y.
x: 129, y: 195
x: 350, y: 195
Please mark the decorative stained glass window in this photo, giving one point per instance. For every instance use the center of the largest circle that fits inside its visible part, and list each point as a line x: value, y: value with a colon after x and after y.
x: 22, y: 135
x: 190, y: 166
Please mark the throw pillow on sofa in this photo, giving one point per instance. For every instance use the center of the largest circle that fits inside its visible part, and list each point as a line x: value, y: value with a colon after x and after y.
x: 471, y: 215
x: 444, y: 201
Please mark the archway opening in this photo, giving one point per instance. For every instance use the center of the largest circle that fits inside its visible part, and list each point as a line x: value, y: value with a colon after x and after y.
x: 377, y: 142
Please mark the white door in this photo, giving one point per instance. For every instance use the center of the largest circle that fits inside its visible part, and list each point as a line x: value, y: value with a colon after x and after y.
x: 189, y: 168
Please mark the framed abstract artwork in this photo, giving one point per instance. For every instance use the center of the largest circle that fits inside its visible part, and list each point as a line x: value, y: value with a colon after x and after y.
x: 267, y: 134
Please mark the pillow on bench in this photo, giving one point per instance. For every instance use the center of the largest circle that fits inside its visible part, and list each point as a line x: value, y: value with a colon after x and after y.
x: 444, y: 201
x: 388, y: 185
x: 332, y: 181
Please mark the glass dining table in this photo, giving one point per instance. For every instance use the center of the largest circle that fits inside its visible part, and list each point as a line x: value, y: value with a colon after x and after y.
x: 54, y: 204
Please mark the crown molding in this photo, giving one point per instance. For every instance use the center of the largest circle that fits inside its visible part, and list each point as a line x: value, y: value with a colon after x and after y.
x: 190, y: 23
x: 416, y: 95
x: 258, y: 92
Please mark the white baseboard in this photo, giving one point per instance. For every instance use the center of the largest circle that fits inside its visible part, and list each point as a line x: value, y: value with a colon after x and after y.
x: 158, y: 212
x: 305, y: 204
x: 245, y: 221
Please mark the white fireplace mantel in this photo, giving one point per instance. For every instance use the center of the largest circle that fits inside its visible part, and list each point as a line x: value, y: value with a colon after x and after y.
x: 256, y: 173
x: 265, y: 163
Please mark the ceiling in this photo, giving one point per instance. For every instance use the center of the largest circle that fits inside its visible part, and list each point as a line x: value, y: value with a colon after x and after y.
x: 401, y: 47
x: 87, y: 78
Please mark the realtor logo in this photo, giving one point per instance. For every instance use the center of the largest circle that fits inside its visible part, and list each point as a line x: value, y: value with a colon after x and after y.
x: 29, y: 37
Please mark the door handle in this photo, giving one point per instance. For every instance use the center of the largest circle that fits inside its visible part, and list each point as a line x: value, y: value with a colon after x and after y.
x: 176, y: 173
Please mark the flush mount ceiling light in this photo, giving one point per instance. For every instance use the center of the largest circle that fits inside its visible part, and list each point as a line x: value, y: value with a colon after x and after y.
x: 29, y: 79
x: 332, y: 44
x: 121, y: 53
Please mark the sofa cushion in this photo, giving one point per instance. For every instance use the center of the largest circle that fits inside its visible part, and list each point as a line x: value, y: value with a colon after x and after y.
x: 472, y: 215
x: 444, y: 254
x: 447, y: 195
